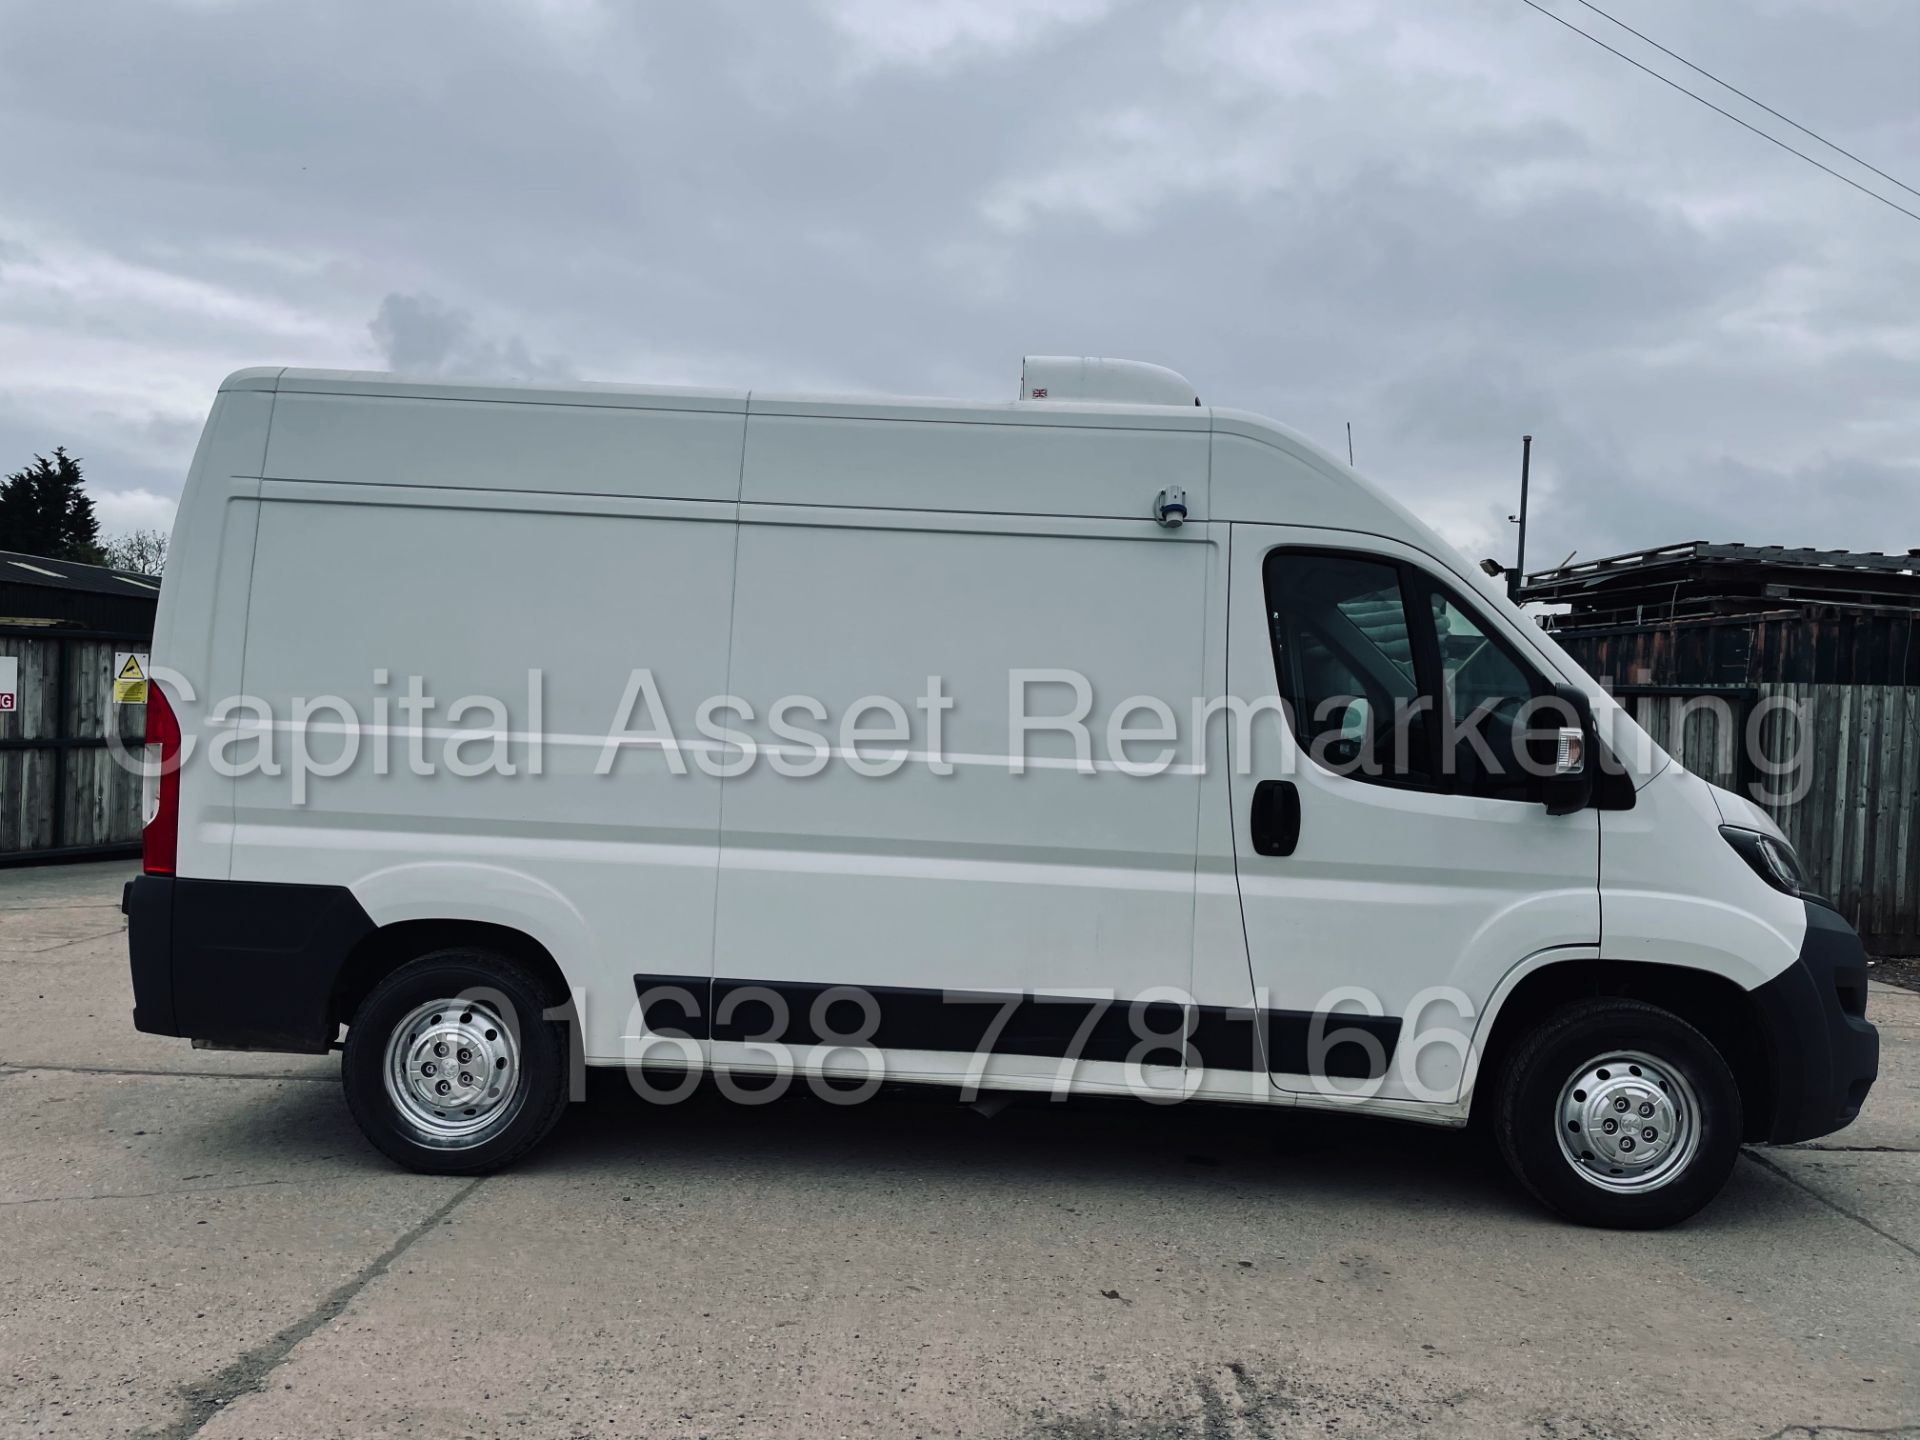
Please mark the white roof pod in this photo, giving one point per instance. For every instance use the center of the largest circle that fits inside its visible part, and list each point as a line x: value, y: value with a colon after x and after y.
x: 1096, y: 378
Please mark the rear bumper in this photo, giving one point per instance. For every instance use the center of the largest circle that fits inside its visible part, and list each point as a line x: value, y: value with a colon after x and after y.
x: 239, y: 963
x: 1825, y: 1056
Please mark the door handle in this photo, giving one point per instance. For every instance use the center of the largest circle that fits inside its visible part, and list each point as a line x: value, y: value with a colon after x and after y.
x: 1275, y: 818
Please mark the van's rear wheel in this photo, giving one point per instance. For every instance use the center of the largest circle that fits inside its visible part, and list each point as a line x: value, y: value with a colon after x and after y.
x: 450, y: 1067
x: 1618, y: 1113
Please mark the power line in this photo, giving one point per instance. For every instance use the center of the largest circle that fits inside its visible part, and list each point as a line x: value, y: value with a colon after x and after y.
x: 1744, y: 124
x: 1701, y: 70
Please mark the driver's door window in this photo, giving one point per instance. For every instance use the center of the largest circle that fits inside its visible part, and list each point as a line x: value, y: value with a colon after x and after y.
x: 1484, y: 693
x: 1390, y: 678
x: 1344, y: 643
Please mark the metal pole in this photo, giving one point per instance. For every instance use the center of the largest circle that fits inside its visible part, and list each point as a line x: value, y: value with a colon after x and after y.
x: 1515, y: 580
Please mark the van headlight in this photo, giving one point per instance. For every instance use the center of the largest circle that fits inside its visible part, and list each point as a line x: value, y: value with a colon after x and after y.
x: 1772, y: 860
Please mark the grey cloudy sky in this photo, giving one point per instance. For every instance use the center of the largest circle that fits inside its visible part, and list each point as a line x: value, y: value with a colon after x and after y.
x: 1448, y: 221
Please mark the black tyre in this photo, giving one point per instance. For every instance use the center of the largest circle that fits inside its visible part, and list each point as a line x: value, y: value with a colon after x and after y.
x: 1618, y: 1113
x: 450, y: 1067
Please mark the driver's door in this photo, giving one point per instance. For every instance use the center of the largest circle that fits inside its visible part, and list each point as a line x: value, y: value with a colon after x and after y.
x: 1416, y: 866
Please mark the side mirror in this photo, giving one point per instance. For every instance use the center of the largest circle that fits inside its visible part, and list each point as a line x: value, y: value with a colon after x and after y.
x: 1564, y: 750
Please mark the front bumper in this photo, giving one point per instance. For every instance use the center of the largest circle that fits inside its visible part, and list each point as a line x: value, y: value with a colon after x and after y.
x: 1825, y: 1056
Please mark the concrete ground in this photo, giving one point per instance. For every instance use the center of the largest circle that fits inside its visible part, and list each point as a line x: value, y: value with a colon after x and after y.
x: 195, y: 1243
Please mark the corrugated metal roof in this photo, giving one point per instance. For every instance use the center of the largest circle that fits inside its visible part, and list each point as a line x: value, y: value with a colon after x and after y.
x: 1701, y: 554
x: 38, y: 570
x: 1696, y: 577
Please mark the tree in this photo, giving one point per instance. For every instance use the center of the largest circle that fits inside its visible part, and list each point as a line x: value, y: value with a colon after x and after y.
x: 144, y: 551
x: 25, y: 524
x: 44, y: 511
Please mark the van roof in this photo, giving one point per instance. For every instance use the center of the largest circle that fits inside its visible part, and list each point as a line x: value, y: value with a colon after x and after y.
x: 374, y: 383
x: 1385, y: 515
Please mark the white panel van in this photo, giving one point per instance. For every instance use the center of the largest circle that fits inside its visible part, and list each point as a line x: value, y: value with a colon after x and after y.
x: 1099, y: 742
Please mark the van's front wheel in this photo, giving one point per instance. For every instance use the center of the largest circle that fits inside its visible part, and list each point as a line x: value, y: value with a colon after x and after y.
x: 451, y: 1066
x: 1618, y: 1113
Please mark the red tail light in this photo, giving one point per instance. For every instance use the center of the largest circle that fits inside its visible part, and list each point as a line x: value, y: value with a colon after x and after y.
x: 160, y: 840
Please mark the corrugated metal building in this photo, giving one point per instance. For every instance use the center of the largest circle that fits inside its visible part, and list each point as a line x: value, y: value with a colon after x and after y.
x: 63, y: 626
x: 91, y: 597
x: 1793, y: 675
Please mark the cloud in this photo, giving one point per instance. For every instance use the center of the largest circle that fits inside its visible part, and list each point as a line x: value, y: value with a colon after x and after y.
x: 936, y: 32
x: 70, y: 279
x: 419, y: 335
x: 121, y: 512
x: 1447, y: 225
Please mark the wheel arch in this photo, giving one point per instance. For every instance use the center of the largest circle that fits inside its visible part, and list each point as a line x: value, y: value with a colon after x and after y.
x: 386, y: 949
x: 1718, y: 1007
x: 424, y: 906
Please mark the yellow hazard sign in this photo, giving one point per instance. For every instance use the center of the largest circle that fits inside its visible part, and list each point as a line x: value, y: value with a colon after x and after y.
x: 129, y: 678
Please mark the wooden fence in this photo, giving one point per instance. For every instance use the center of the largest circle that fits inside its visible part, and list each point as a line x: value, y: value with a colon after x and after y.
x: 1837, y: 766
x: 63, y: 794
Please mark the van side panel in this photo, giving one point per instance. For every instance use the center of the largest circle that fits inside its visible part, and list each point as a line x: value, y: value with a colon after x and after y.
x: 477, y: 444
x: 547, y: 605
x: 915, y: 883
x: 200, y: 624
x: 972, y: 467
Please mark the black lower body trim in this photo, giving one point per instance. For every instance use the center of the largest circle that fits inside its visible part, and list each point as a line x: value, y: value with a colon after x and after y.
x: 238, y: 962
x: 1151, y: 1032
x: 1340, y: 1044
x: 148, y: 905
